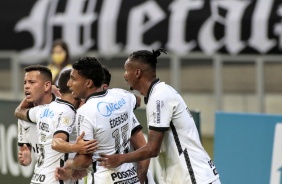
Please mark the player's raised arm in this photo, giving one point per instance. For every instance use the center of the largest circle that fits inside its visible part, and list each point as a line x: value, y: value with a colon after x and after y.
x: 22, y: 109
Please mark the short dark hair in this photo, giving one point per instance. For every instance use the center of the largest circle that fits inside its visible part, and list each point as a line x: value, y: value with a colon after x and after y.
x: 63, y: 80
x: 90, y: 68
x: 107, y: 77
x: 148, y: 57
x: 44, y: 71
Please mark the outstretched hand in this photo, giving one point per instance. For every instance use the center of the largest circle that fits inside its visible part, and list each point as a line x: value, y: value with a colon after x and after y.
x: 56, y: 91
x: 24, y: 156
x: 110, y: 161
x: 85, y: 147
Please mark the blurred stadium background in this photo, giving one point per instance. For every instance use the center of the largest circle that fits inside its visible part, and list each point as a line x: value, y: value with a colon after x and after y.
x: 223, y: 55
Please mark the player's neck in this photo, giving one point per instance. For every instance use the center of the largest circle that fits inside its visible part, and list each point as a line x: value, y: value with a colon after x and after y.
x: 93, y: 90
x: 69, y: 98
x: 145, y: 85
x: 46, y: 99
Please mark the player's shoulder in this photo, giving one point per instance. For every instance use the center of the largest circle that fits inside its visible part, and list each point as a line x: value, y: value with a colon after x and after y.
x: 38, y: 109
x: 119, y: 90
x: 87, y: 106
x: 61, y: 105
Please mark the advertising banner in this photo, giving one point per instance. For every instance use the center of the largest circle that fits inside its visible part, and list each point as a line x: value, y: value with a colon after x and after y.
x: 10, y: 170
x: 111, y: 27
x: 247, y: 148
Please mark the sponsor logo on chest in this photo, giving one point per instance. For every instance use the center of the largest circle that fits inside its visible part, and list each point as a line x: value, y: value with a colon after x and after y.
x: 106, y: 109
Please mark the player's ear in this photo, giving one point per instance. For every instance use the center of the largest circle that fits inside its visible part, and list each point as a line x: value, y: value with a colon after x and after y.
x: 89, y: 83
x: 138, y: 73
x: 48, y: 85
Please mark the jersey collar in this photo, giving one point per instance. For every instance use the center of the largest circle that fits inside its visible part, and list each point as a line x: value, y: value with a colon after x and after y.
x: 146, y: 98
x: 97, y: 94
x: 58, y: 100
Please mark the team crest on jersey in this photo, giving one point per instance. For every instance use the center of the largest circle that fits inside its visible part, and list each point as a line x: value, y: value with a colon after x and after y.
x: 106, y: 109
x: 65, y: 120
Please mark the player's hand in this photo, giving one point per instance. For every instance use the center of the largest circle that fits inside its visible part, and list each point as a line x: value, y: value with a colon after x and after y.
x: 62, y: 173
x: 79, y: 174
x: 109, y: 161
x: 143, y: 178
x: 56, y: 91
x: 85, y: 147
x: 24, y: 156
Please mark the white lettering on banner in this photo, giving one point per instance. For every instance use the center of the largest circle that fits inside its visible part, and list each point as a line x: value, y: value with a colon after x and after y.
x: 232, y: 23
x: 3, y: 162
x: 8, y: 164
x: 72, y: 20
x: 34, y: 24
x: 137, y: 27
x: 259, y: 30
x: 276, y: 166
x: 76, y: 22
x: 12, y: 164
x: 278, y: 27
x: 176, y: 33
x: 108, y: 26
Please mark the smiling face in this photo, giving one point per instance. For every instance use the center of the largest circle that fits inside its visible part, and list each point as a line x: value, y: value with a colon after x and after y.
x: 35, y: 87
x: 77, y: 84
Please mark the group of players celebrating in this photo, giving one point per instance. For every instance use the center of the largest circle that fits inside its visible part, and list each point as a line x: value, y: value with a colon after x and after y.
x: 87, y: 132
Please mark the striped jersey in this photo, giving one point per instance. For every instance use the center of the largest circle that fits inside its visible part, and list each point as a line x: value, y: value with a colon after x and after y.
x: 108, y: 117
x: 182, y: 158
x: 50, y: 119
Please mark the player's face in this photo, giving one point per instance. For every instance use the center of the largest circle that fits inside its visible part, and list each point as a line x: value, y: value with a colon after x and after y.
x: 77, y: 84
x: 130, y: 74
x: 35, y: 87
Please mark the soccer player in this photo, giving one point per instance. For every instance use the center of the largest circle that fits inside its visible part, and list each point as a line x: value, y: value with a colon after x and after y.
x: 140, y: 137
x: 37, y: 90
x: 107, y: 117
x: 55, y: 123
x: 173, y: 135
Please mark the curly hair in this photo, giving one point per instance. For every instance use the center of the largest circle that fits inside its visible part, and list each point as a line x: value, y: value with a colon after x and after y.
x: 90, y: 68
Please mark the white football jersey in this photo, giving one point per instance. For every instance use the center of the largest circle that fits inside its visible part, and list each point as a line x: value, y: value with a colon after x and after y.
x: 27, y: 134
x: 182, y: 158
x: 107, y: 117
x: 56, y: 117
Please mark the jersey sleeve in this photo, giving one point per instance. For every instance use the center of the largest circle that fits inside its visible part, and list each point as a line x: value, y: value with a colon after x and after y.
x: 135, y: 124
x: 32, y: 113
x: 159, y: 112
x: 84, y: 125
x: 66, y: 122
x: 22, y: 137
